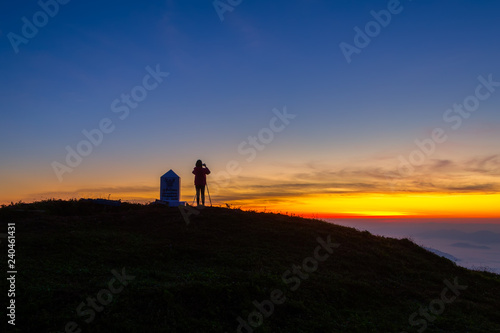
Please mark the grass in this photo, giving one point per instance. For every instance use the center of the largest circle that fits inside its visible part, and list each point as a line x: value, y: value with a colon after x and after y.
x: 201, y: 277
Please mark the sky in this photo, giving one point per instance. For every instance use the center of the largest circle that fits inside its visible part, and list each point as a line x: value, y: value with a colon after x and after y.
x: 321, y: 108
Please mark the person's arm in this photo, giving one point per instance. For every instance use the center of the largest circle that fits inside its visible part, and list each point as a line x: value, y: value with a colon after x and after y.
x: 194, y: 173
x: 207, y: 171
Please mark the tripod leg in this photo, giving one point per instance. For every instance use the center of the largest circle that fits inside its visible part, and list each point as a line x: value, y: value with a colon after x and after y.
x: 208, y: 191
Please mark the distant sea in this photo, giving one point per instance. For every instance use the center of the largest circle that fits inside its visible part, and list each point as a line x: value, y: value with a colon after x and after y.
x: 471, y: 243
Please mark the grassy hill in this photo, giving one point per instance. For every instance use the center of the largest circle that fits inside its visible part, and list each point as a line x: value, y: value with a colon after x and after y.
x: 84, y: 267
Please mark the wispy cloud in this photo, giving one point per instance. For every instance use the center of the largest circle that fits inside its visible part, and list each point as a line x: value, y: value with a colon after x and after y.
x: 294, y: 183
x: 489, y: 165
x: 476, y: 175
x: 91, y: 192
x: 478, y: 237
x: 470, y: 246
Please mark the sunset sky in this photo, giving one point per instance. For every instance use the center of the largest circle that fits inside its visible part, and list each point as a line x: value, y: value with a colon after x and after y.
x: 325, y: 108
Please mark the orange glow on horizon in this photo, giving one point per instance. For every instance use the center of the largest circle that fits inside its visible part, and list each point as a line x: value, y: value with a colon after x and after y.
x: 378, y: 213
x: 427, y: 205
x: 369, y: 205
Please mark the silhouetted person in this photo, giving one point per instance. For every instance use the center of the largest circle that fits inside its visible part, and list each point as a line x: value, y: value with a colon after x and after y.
x: 200, y: 172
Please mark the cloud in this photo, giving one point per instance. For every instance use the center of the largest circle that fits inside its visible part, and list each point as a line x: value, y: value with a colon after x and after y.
x: 489, y: 165
x: 492, y: 187
x: 442, y: 254
x: 442, y: 164
x: 478, y: 237
x: 476, y: 175
x: 470, y: 246
x: 293, y: 180
x: 97, y: 192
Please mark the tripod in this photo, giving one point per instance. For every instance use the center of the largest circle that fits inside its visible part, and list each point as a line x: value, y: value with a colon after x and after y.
x: 208, y: 191
x: 209, y: 198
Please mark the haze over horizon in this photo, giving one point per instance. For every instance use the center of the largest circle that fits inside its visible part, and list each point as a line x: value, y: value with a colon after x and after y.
x: 346, y: 109
x: 473, y: 244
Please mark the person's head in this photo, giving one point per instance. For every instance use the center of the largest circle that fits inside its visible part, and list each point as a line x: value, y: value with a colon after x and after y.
x: 199, y: 163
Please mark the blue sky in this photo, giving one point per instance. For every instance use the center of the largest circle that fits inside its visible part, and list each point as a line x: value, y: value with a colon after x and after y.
x: 225, y: 79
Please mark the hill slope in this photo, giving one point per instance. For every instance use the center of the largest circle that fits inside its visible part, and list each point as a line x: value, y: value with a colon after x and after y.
x: 134, y: 268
